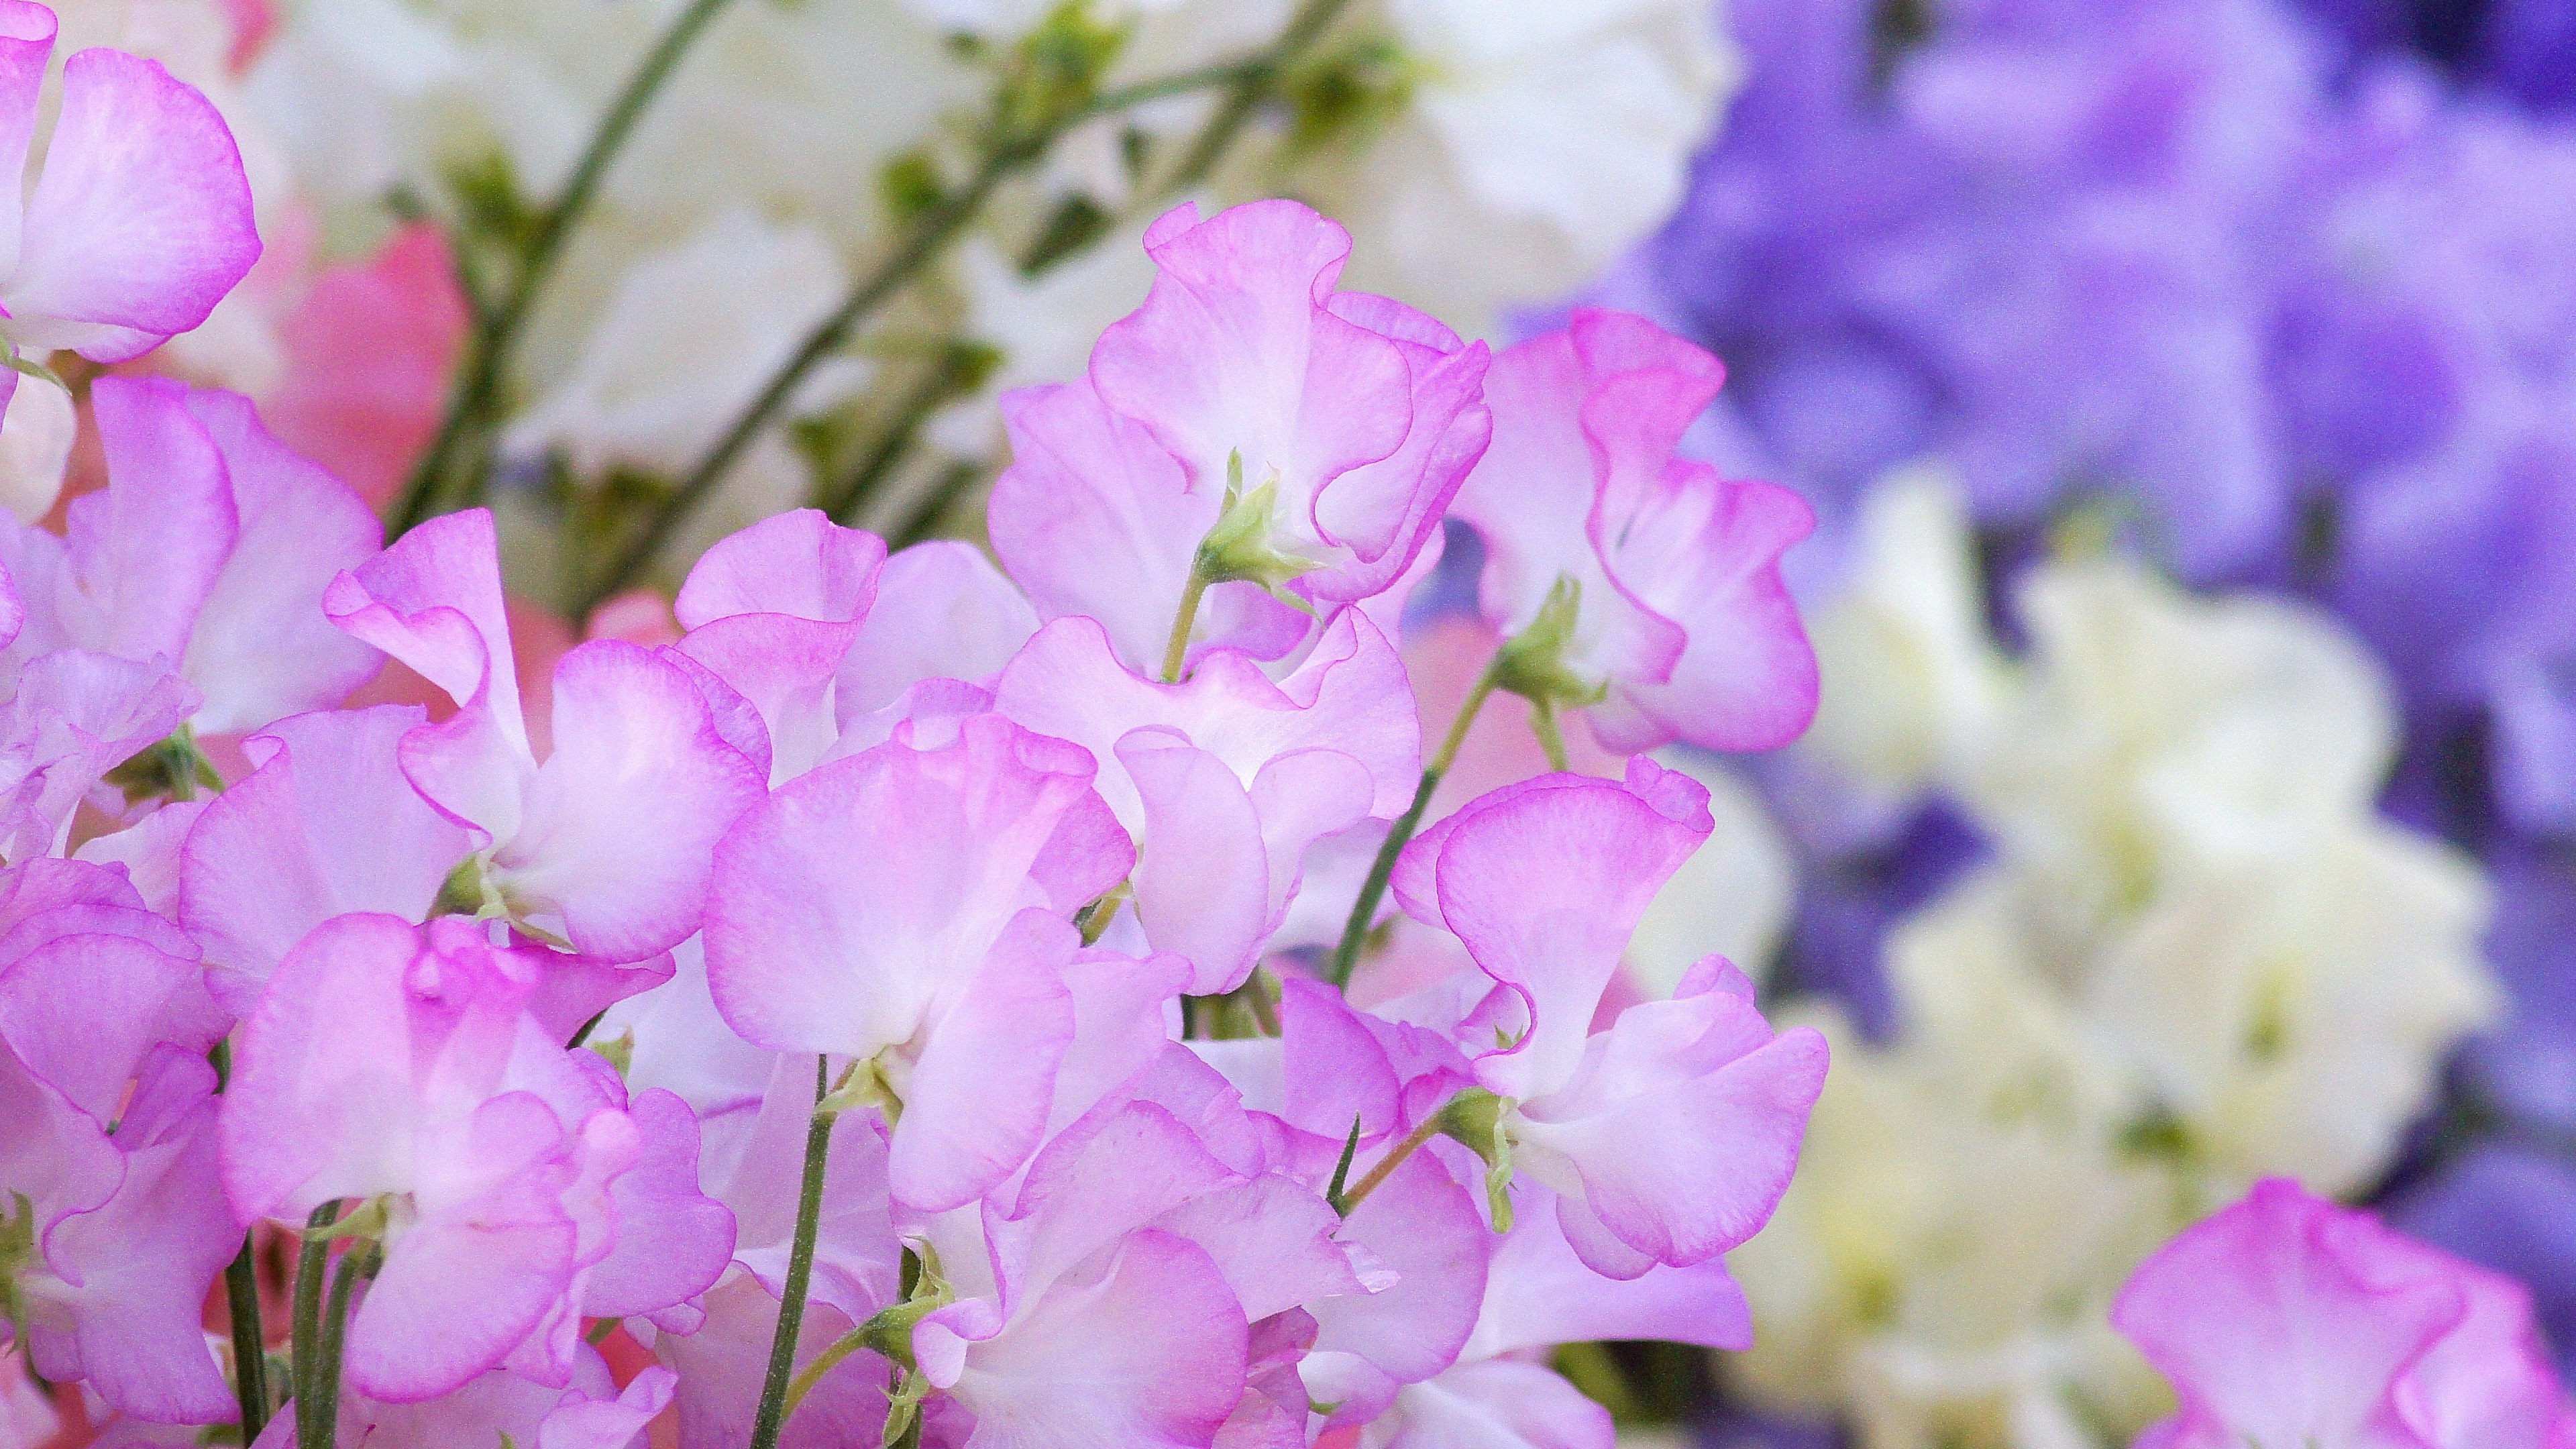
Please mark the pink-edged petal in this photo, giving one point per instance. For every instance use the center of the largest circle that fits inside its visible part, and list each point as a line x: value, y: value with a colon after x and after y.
x: 1498, y: 1404
x: 1387, y: 511
x: 1236, y: 353
x: 803, y: 954
x: 1202, y: 882
x: 1120, y: 1025
x: 1705, y: 553
x: 1681, y: 1125
x: 798, y: 564
x: 84, y: 1009
x: 721, y: 1365
x: 979, y: 1095
x: 942, y: 611
x: 263, y: 648
x: 2272, y: 1335
x: 151, y: 546
x: 673, y: 1241
x: 1545, y: 884
x: 1540, y: 1292
x: 857, y: 1260
x: 133, y: 1274
x: 1272, y: 1238
x: 434, y: 601
x: 325, y: 826
x: 620, y: 818
x: 26, y: 43
x: 1424, y: 1228
x: 609, y: 1423
x: 1148, y: 1353
x: 141, y: 220
x: 151, y: 852
x: 460, y: 1290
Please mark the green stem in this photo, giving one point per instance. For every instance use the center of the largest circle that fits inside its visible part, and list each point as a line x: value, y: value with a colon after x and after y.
x: 935, y: 388
x: 1176, y: 653
x: 1346, y: 955
x: 358, y: 1263
x: 250, y: 1340
x: 1550, y: 737
x: 812, y: 1374
x: 1387, y: 1165
x: 772, y: 1413
x: 1243, y: 99
x: 311, y: 1265
x: 501, y: 325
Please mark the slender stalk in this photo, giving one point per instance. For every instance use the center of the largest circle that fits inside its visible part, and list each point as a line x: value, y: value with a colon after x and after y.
x: 501, y: 324
x: 1176, y: 653
x: 1346, y: 955
x: 311, y: 1265
x: 356, y: 1264
x: 935, y: 387
x: 250, y: 1340
x: 1550, y: 737
x: 772, y: 1413
x: 1248, y: 80
x: 1387, y: 1165
x: 812, y: 1374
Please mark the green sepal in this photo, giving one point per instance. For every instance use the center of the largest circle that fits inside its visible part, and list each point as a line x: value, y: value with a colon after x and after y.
x: 1238, y: 548
x: 172, y: 768
x: 27, y: 367
x: 863, y: 1084
x: 1532, y: 663
x: 1475, y: 1117
x: 368, y: 1222
x: 467, y: 891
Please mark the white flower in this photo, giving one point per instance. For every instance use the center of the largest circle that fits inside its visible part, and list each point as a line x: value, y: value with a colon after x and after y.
x: 1541, y: 142
x: 690, y: 336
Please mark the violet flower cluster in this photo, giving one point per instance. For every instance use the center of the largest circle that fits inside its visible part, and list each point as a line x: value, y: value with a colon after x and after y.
x: 2277, y: 289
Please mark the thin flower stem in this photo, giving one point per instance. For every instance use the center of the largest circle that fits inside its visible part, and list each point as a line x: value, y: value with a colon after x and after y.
x: 812, y: 1374
x: 356, y: 1264
x: 311, y: 1264
x: 500, y: 325
x: 250, y: 1340
x: 772, y: 1414
x: 1346, y: 955
x: 1176, y: 653
x: 1248, y: 80
x: 1550, y: 737
x: 934, y: 388
x: 1387, y: 1165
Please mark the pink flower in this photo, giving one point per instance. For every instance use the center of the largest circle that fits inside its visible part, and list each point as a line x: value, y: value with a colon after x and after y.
x: 500, y: 1407
x: 773, y: 611
x: 589, y: 845
x: 2285, y: 1319
x: 1224, y: 780
x: 207, y: 553
x: 520, y: 1187
x: 946, y: 955
x: 1346, y: 420
x: 140, y: 221
x: 1683, y: 618
x: 1670, y: 1137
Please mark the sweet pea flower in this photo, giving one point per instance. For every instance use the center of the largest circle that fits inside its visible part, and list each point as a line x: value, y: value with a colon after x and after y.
x: 773, y: 611
x: 207, y: 552
x: 518, y: 1187
x: 1248, y: 424
x: 942, y: 963
x: 2285, y: 1319
x: 1670, y: 1136
x: 586, y: 845
x: 1224, y: 780
x: 1681, y: 627
x: 140, y: 219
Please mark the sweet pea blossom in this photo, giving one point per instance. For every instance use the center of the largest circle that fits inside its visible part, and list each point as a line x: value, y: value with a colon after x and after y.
x: 140, y: 218
x: 587, y: 844
x: 208, y: 552
x: 2285, y: 1319
x: 1669, y: 1137
x: 1249, y: 425
x: 1682, y: 628
x: 942, y: 964
x: 1226, y: 779
x: 518, y: 1186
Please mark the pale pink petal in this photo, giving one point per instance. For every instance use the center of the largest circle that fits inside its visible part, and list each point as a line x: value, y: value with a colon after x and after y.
x: 84, y: 1009
x: 2271, y: 1335
x: 325, y: 826
x: 720, y: 1368
x: 979, y: 1096
x: 263, y: 648
x: 1386, y: 512
x: 673, y: 1241
x: 1202, y: 882
x: 26, y: 43
x: 141, y: 220
x: 1423, y: 1227
x: 151, y: 545
x: 942, y: 611
x: 1539, y: 1292
x: 1498, y: 1404
x: 434, y: 601
x: 620, y: 819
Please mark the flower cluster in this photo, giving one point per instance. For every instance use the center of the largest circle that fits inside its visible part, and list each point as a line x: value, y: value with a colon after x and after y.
x: 879, y: 997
